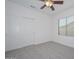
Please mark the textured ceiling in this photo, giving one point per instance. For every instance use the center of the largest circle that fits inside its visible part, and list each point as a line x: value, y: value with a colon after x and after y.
x: 36, y: 4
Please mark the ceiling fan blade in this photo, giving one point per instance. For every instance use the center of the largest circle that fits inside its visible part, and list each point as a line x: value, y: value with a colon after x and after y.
x: 42, y: 0
x: 43, y: 6
x: 52, y: 7
x: 58, y: 2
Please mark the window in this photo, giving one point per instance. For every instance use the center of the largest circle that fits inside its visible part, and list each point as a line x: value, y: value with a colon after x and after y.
x: 66, y: 26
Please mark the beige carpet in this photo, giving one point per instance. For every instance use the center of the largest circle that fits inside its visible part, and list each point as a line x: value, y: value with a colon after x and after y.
x: 49, y: 50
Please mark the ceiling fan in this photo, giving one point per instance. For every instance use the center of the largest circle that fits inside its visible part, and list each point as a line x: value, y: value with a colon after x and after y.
x: 49, y: 3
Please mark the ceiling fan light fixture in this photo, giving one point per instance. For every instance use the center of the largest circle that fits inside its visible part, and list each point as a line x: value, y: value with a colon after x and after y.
x: 48, y: 3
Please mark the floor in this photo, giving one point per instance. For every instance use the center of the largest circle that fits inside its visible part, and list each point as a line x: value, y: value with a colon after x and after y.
x: 48, y: 50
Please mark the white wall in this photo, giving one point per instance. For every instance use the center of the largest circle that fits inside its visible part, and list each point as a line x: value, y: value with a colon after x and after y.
x: 66, y: 40
x: 25, y: 26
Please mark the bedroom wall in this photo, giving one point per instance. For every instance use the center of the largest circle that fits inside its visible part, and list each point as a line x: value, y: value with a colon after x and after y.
x: 25, y: 26
x: 66, y: 40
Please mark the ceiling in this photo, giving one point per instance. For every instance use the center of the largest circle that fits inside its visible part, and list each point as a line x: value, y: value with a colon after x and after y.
x: 36, y: 4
